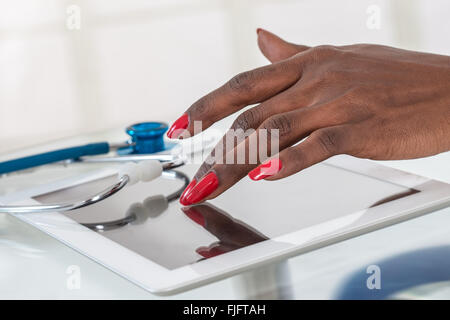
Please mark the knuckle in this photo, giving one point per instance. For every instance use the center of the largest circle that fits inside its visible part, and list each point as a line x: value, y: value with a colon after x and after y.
x: 364, y: 102
x: 241, y: 83
x: 330, y: 75
x: 248, y: 119
x: 281, y: 122
x: 362, y: 46
x: 201, y: 106
x: 361, y: 92
x: 330, y: 140
x: 323, y: 51
x: 360, y: 95
x: 297, y: 156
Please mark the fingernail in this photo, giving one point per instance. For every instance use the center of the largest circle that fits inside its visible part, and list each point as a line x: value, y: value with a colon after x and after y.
x: 194, y: 215
x: 202, y: 189
x: 258, y: 30
x: 187, y: 190
x: 266, y: 169
x: 178, y: 126
x: 207, y: 252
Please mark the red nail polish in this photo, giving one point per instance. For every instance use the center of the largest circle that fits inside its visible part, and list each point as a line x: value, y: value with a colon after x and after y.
x: 209, y: 252
x: 178, y: 127
x: 195, y: 216
x: 186, y: 191
x: 202, y: 189
x: 204, y: 252
x: 266, y: 169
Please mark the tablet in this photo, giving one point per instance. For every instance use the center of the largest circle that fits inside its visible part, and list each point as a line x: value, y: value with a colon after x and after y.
x: 168, y: 248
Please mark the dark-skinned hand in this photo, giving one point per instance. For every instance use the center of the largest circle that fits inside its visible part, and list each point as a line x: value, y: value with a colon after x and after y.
x: 368, y: 101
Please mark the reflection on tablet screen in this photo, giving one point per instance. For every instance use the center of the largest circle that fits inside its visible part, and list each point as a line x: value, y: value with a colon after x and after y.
x: 248, y: 213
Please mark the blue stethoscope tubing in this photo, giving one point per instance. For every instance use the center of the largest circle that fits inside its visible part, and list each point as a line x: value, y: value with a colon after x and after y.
x: 36, y: 160
x: 146, y: 138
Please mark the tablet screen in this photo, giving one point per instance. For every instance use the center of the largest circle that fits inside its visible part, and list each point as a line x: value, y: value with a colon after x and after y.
x: 250, y: 212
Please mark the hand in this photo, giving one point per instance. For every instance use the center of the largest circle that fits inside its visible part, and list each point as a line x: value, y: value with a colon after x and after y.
x: 232, y: 234
x: 368, y: 101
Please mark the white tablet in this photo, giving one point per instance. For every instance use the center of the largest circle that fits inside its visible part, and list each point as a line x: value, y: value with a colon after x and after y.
x: 168, y: 249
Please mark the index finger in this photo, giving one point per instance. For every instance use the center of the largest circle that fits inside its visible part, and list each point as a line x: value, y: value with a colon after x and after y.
x: 244, y: 89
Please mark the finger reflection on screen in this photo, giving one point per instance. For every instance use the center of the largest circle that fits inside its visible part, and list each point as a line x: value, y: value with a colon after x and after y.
x: 232, y: 233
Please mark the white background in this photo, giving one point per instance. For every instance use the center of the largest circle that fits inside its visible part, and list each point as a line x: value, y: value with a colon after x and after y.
x: 135, y: 60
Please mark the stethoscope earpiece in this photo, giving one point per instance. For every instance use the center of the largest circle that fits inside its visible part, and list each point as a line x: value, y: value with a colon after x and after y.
x: 150, y: 208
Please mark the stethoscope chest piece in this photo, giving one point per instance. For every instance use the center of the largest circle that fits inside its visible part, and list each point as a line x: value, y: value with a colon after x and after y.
x: 146, y: 138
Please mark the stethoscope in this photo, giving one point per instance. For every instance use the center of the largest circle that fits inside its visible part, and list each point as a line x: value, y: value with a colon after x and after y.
x: 146, y: 139
x: 143, y: 163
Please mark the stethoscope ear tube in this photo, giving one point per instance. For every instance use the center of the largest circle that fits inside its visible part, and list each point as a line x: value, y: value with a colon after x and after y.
x: 143, y: 171
x: 150, y: 208
x: 129, y: 173
x: 62, y: 207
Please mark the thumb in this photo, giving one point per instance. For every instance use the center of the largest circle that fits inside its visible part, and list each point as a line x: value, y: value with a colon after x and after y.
x: 274, y: 48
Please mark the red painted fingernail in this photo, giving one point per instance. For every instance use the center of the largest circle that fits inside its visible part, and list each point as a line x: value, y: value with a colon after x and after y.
x: 202, y: 189
x: 178, y: 127
x: 207, y: 252
x: 194, y: 215
x: 266, y: 169
x: 187, y: 190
